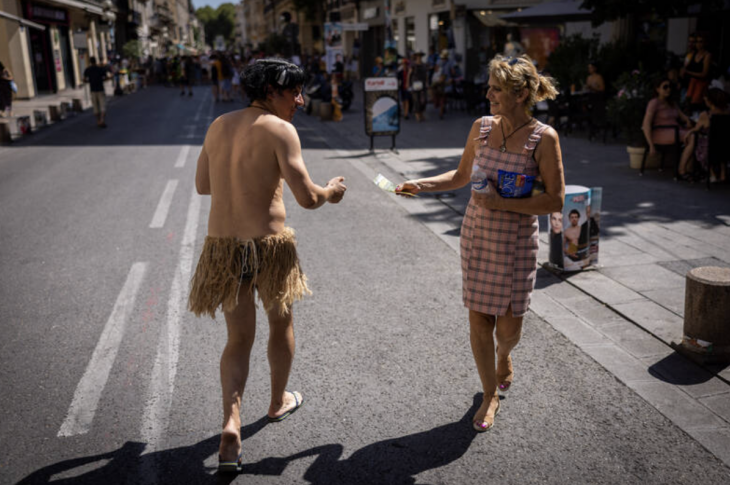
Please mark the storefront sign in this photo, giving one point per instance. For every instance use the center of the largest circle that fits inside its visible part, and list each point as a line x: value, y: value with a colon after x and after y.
x: 79, y: 40
x: 370, y: 13
x: 355, y: 27
x: 382, y: 110
x: 46, y: 14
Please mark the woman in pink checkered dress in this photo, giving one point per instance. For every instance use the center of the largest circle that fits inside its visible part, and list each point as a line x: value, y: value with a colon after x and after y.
x: 499, y: 234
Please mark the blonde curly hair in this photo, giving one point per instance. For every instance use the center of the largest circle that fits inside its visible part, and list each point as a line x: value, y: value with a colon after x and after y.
x: 518, y: 73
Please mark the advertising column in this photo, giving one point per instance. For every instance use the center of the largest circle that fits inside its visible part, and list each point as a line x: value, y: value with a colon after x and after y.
x: 382, y: 110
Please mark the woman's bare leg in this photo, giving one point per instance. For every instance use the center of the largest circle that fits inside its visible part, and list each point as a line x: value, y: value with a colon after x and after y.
x: 509, y: 331
x: 241, y: 324
x: 481, y: 335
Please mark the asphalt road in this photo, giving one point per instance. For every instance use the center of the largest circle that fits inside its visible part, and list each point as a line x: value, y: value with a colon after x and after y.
x: 107, y: 379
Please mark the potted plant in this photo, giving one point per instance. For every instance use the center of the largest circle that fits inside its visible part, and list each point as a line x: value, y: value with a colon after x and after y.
x: 626, y: 110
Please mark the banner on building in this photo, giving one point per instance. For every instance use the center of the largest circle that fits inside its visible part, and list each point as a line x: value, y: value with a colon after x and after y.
x: 332, y: 44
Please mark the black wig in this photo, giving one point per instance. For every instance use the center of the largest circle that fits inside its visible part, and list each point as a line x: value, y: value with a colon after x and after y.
x: 277, y: 73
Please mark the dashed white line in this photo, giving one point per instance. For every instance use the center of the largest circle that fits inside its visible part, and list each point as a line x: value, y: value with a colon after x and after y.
x: 182, y: 156
x: 163, y: 207
x: 157, y: 410
x: 86, y: 398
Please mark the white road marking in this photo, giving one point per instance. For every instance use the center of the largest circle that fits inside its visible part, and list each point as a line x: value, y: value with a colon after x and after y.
x: 163, y: 207
x: 159, y: 399
x: 182, y: 156
x: 86, y: 398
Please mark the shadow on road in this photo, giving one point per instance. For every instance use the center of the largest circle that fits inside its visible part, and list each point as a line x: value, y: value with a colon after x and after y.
x: 396, y: 460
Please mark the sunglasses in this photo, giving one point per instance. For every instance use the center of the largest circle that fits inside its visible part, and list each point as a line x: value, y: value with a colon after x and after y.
x: 665, y: 86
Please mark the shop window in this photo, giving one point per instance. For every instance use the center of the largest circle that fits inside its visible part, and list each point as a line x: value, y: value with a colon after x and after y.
x: 410, y: 34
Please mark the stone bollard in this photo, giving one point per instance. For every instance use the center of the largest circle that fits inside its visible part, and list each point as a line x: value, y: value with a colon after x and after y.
x: 325, y: 111
x: 707, y: 315
x: 55, y: 112
x: 5, y: 133
x: 40, y: 118
x: 316, y: 103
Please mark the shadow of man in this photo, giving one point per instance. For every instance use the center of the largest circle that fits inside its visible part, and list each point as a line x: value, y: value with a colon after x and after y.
x: 129, y: 465
x: 396, y: 460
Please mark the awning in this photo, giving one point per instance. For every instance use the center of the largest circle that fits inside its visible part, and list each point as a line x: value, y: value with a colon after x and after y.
x: 549, y: 10
x: 89, y: 7
x: 21, y: 21
x: 490, y: 19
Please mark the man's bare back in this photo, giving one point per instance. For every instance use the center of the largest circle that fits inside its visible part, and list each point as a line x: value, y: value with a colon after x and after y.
x: 245, y: 158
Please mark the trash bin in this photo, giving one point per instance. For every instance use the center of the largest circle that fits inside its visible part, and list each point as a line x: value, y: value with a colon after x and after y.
x: 570, y: 231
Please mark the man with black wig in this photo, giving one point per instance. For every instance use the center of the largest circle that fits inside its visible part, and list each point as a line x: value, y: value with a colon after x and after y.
x: 246, y: 157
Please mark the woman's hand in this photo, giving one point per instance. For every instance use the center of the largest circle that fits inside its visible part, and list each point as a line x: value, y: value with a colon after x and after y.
x: 489, y: 199
x: 652, y: 150
x: 409, y: 187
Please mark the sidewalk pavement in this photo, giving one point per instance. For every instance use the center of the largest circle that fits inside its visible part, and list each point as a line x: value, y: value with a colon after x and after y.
x: 26, y: 107
x: 627, y: 312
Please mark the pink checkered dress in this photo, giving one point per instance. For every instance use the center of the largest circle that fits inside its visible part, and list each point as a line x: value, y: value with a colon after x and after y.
x: 499, y: 248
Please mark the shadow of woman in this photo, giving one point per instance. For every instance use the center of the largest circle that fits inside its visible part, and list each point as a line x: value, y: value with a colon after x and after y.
x: 129, y: 465
x: 396, y: 460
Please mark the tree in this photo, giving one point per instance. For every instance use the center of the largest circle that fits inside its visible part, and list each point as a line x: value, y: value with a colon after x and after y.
x: 221, y: 21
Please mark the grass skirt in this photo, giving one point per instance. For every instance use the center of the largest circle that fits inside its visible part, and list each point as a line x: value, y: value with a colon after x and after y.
x: 270, y: 264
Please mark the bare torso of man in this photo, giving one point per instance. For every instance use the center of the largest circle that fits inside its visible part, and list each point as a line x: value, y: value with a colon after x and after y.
x: 572, y: 234
x: 243, y: 175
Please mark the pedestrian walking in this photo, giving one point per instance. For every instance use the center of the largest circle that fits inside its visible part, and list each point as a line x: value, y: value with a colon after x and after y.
x: 499, y: 233
x: 246, y: 156
x: 6, y: 91
x: 187, y: 74
x: 95, y: 75
x: 418, y: 83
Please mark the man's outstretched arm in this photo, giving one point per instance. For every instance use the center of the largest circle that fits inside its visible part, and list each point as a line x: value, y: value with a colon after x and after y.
x: 289, y: 156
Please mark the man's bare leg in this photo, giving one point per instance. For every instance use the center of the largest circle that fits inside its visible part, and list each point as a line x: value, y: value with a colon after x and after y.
x: 481, y: 335
x: 509, y: 331
x: 241, y: 324
x: 281, y: 356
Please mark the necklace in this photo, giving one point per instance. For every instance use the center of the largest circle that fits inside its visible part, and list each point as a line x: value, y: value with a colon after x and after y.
x: 503, y: 148
x: 261, y: 108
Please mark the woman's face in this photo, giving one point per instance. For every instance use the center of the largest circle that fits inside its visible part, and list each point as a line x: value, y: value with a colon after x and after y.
x: 591, y: 69
x: 501, y: 99
x: 700, y: 43
x: 664, y: 90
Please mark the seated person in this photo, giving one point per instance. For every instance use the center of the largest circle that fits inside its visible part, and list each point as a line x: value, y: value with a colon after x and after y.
x: 662, y: 114
x: 696, y: 139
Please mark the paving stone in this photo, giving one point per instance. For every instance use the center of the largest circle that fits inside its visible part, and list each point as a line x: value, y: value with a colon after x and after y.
x: 719, y: 404
x: 544, y: 306
x: 645, y: 277
x: 682, y: 267
x: 596, y: 313
x: 619, y: 362
x: 564, y: 292
x: 635, y: 340
x: 716, y: 440
x: 604, y: 288
x: 626, y: 260
x: 670, y: 298
x: 676, y: 369
x: 683, y: 410
x: 576, y: 330
x: 654, y: 318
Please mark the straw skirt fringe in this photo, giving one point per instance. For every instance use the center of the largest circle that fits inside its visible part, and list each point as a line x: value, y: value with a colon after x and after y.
x: 270, y: 263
